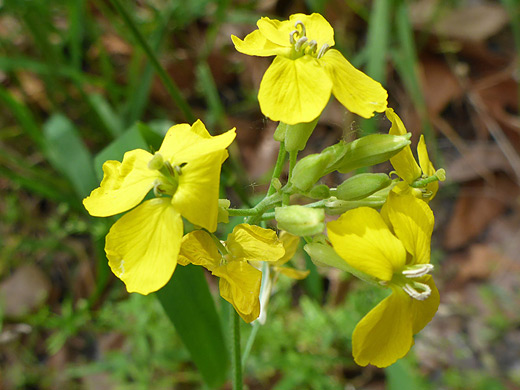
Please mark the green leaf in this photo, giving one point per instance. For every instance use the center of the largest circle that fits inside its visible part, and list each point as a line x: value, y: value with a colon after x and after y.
x: 68, y: 154
x: 187, y: 301
x: 403, y: 376
x: 139, y: 136
x: 131, y: 139
x: 106, y: 114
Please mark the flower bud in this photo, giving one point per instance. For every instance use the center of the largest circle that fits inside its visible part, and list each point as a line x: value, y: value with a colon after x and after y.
x: 309, y: 170
x: 320, y: 191
x: 299, y: 220
x: 296, y: 136
x: 335, y: 206
x: 366, y: 151
x: 362, y: 185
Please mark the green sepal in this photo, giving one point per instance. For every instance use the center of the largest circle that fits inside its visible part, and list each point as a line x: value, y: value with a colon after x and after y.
x: 362, y: 185
x: 296, y: 136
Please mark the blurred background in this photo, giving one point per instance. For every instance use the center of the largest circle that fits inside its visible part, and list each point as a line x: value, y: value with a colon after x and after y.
x: 81, y: 80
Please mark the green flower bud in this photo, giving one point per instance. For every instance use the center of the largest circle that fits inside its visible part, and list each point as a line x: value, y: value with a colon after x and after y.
x: 299, y: 220
x: 296, y: 136
x: 320, y: 191
x: 362, y: 185
x: 335, y: 206
x: 366, y: 151
x: 309, y: 170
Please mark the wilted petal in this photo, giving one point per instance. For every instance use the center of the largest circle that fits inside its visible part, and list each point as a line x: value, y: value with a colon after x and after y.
x: 364, y: 241
x: 290, y: 244
x: 253, y: 243
x: 198, y: 248
x: 143, y: 245
x: 294, y: 91
x: 124, y: 184
x: 240, y: 285
x: 293, y: 273
x: 359, y: 93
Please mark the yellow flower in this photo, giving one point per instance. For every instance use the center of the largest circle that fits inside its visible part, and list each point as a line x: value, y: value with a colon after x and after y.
x: 290, y: 243
x: 239, y: 281
x: 143, y: 245
x: 298, y: 84
x: 394, y: 248
x: 405, y: 165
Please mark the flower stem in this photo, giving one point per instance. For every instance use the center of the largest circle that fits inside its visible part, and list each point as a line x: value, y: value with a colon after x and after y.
x: 236, y: 362
x: 277, y: 168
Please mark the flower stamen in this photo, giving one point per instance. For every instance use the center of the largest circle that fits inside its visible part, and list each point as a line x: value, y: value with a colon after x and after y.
x: 323, y: 50
x: 313, y: 45
x: 411, y: 290
x: 418, y: 270
x: 301, y: 43
x: 300, y: 23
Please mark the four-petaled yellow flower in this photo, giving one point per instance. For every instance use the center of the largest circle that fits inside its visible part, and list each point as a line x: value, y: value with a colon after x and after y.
x: 298, y: 84
x: 405, y: 165
x: 239, y: 281
x: 143, y: 245
x: 394, y: 248
x: 290, y: 244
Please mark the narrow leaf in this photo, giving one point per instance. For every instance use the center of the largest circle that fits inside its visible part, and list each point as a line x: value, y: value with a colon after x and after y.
x: 187, y: 301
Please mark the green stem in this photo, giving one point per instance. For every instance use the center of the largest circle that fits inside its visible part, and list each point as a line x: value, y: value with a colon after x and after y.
x: 277, y: 168
x: 267, y: 203
x: 169, y: 84
x: 250, y: 342
x: 236, y: 362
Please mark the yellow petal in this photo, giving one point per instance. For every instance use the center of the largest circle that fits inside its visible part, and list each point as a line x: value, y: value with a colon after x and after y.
x: 359, y: 93
x: 317, y: 27
x: 293, y: 273
x: 385, y: 333
x: 403, y: 162
x: 240, y: 285
x: 427, y: 166
x: 124, y: 184
x: 198, y: 248
x: 364, y: 241
x: 412, y: 221
x: 255, y: 44
x: 276, y: 31
x: 197, y: 195
x: 294, y: 91
x: 142, y: 246
x: 184, y: 143
x: 290, y: 244
x: 253, y: 243
x: 424, y: 311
